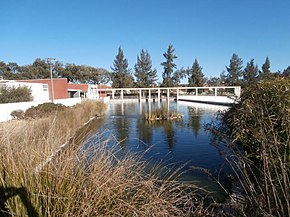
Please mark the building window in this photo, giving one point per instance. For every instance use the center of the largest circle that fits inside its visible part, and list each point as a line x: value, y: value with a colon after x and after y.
x: 45, y: 87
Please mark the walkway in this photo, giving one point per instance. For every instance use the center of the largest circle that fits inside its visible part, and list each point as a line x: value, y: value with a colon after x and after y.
x: 215, y: 95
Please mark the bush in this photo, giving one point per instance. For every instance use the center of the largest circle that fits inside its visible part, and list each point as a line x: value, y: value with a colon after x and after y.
x: 43, y: 110
x: 258, y: 136
x: 18, y: 114
x: 15, y: 94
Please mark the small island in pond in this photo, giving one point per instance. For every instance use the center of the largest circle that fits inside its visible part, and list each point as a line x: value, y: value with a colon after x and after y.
x: 162, y: 114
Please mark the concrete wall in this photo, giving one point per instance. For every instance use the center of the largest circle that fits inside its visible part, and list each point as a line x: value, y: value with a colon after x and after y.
x: 7, y: 108
x: 209, y: 99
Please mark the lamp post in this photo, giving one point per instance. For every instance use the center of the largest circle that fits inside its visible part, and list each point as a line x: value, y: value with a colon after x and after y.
x: 49, y: 61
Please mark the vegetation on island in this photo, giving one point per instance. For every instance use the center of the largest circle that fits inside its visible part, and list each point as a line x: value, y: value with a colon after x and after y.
x: 162, y: 114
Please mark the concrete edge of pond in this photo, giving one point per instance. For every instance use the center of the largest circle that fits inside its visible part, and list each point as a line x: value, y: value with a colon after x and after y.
x: 61, y: 148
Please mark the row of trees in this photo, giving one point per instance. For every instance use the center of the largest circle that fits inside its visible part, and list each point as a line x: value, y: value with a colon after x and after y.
x: 251, y: 74
x: 143, y: 75
x: 40, y: 69
x: 146, y: 75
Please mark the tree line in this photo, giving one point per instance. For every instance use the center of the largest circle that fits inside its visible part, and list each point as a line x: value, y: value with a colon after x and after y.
x: 143, y: 74
x: 40, y: 69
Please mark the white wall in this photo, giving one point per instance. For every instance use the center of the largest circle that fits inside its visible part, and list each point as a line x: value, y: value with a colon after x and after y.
x: 209, y: 99
x: 7, y: 108
x: 39, y: 91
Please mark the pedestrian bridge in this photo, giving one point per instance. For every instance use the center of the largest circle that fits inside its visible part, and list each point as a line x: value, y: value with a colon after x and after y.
x: 213, y: 95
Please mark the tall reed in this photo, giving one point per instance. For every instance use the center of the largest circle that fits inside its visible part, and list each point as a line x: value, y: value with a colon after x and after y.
x: 256, y: 133
x: 92, y: 182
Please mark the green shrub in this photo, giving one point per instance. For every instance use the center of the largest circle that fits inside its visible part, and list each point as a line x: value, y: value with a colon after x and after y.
x: 15, y: 94
x: 262, y: 116
x: 43, y: 110
x: 257, y: 133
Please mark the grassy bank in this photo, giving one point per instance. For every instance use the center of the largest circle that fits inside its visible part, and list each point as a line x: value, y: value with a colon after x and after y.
x: 80, y: 183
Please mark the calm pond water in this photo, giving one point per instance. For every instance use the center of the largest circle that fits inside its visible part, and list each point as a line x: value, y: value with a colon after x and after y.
x: 174, y: 142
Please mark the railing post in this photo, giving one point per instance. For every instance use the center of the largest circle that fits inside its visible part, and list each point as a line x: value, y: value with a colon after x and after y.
x: 238, y: 91
x: 158, y: 94
x: 140, y: 94
x: 215, y: 91
x: 122, y: 94
x: 149, y: 94
x: 113, y: 94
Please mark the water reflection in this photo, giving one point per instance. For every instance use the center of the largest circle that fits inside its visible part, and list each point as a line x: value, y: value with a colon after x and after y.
x: 145, y: 131
x: 168, y: 129
x: 195, y: 114
x: 175, y: 142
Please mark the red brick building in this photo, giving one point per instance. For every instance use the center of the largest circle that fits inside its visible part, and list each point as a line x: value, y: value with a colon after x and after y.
x: 62, y: 89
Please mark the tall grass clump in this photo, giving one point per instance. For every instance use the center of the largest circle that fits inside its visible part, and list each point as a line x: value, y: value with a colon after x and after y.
x: 25, y: 144
x: 162, y: 114
x: 256, y: 133
x: 79, y: 181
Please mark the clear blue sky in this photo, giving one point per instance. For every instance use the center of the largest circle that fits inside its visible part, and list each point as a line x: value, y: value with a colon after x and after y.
x: 89, y: 32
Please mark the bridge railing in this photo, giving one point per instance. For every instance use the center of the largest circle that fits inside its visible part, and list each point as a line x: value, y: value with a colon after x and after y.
x: 169, y: 92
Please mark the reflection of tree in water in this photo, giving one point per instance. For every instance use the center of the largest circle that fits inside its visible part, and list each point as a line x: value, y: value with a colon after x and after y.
x: 168, y: 128
x: 145, y: 131
x: 122, y: 124
x: 195, y: 114
x: 122, y: 132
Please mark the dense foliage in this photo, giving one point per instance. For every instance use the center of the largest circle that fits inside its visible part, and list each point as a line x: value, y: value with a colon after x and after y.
x: 234, y: 70
x: 259, y: 145
x: 43, y: 110
x: 121, y: 75
x: 145, y: 75
x: 168, y: 66
x: 40, y: 69
x: 15, y: 94
x: 196, y: 77
x: 250, y: 73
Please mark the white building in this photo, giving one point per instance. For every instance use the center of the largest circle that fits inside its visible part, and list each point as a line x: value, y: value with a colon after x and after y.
x: 39, y: 91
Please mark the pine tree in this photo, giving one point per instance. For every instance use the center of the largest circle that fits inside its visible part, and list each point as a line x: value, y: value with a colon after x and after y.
x: 121, y: 76
x: 234, y: 70
x: 196, y: 77
x: 178, y: 75
x: 286, y: 72
x: 145, y: 75
x: 168, y: 66
x: 265, y: 73
x: 250, y: 73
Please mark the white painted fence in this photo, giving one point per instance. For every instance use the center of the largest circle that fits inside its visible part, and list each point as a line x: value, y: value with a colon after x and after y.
x: 209, y: 99
x: 7, y: 108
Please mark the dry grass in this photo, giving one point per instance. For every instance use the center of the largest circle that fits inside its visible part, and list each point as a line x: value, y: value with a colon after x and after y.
x: 162, y: 114
x: 259, y: 147
x: 80, y: 182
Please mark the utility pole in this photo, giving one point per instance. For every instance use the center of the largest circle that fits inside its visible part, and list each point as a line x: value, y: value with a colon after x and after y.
x: 49, y: 61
